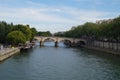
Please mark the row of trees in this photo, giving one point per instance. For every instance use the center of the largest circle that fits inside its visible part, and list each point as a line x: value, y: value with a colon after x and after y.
x: 14, y: 34
x: 46, y: 33
x: 109, y: 30
x: 105, y: 31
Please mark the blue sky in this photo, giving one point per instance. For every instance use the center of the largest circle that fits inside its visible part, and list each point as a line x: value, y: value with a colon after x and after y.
x: 57, y: 15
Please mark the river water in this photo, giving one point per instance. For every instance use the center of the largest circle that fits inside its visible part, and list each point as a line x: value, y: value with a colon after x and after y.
x: 61, y: 63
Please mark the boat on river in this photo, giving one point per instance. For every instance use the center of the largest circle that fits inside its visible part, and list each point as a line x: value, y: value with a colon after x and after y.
x: 26, y: 46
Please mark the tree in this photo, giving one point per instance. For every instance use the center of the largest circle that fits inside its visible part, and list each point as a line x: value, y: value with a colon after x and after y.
x: 34, y: 32
x: 4, y: 30
x: 15, y: 37
x: 24, y: 29
x: 47, y: 33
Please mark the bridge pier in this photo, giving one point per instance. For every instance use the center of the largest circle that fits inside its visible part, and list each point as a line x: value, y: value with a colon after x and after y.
x: 56, y: 44
x: 41, y: 43
x: 68, y: 41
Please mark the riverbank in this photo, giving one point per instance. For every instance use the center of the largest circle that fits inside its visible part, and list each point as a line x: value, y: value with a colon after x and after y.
x: 6, y: 53
x: 102, y: 50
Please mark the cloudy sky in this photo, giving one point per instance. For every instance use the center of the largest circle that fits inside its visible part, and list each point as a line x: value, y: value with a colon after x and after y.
x: 57, y: 15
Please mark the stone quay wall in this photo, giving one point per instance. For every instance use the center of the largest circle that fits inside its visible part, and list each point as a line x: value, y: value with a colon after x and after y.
x: 113, y: 48
x: 6, y: 53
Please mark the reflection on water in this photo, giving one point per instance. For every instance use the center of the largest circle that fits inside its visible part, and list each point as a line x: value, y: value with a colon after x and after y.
x: 61, y: 63
x: 60, y: 44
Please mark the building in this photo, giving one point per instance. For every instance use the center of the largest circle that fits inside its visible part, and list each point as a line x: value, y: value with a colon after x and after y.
x: 104, y: 21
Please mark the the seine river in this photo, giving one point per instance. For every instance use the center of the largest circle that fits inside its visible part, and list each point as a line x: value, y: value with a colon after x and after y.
x: 61, y: 63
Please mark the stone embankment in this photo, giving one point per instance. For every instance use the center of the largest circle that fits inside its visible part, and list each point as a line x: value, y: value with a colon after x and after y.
x: 102, y: 50
x: 6, y: 53
x: 108, y: 47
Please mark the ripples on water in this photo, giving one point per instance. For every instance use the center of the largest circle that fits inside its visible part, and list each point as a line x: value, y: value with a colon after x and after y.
x: 61, y: 63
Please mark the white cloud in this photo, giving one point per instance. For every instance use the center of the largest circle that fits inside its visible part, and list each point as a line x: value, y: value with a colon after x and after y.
x: 85, y: 15
x: 50, y: 18
x: 34, y: 14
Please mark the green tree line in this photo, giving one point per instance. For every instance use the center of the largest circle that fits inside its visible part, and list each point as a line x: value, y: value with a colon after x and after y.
x: 44, y: 33
x: 105, y: 30
x: 15, y: 34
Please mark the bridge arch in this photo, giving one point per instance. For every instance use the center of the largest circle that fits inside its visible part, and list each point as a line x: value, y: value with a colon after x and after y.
x: 79, y: 43
x: 56, y: 40
x: 67, y: 42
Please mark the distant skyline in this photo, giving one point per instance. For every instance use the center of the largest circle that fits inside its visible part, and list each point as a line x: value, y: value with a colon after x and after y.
x: 57, y: 15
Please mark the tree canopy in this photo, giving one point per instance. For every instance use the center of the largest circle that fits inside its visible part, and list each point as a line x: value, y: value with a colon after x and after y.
x: 16, y: 37
x: 7, y: 32
x: 47, y: 33
x: 109, y: 30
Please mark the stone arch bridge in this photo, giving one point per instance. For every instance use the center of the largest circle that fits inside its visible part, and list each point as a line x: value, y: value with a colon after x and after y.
x: 42, y: 39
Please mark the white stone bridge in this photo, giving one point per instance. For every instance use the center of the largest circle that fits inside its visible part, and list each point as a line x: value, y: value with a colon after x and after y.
x: 42, y: 39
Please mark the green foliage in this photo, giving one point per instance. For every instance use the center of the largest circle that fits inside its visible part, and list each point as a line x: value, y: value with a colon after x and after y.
x: 47, y: 33
x: 116, y: 29
x: 15, y: 37
x: 24, y: 29
x: 34, y: 32
x: 6, y: 28
x: 109, y: 30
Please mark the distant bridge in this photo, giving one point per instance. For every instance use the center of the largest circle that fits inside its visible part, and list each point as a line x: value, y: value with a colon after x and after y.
x: 42, y: 39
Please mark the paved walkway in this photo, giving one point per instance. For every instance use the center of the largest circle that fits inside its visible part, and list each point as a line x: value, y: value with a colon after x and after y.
x: 5, y: 50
